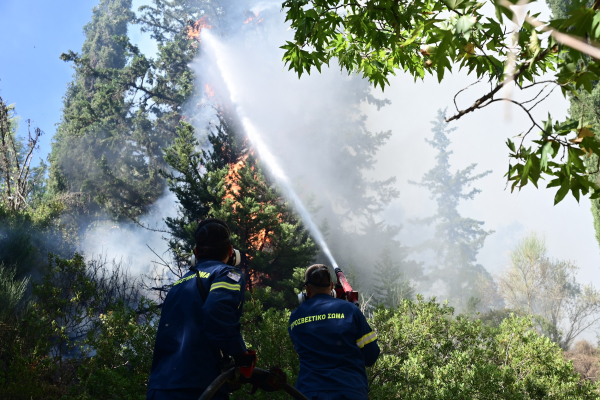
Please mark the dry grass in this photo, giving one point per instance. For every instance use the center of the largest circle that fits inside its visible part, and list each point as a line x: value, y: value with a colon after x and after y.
x: 586, y: 359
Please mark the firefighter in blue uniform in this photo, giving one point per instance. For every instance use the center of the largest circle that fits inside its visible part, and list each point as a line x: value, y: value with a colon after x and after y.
x: 200, y: 322
x: 334, y: 342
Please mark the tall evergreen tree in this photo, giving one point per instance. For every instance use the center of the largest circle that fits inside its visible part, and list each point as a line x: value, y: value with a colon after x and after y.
x: 364, y: 251
x: 227, y: 182
x: 122, y: 107
x: 93, y: 150
x: 457, y: 239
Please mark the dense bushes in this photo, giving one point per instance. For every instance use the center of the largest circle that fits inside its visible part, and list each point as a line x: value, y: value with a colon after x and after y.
x: 69, y: 342
x: 79, y: 336
x: 429, y: 354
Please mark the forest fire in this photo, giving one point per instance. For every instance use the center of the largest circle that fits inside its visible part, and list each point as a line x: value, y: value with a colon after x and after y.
x: 193, y: 31
x: 252, y: 17
x: 233, y: 188
x: 256, y: 240
x: 259, y: 240
x: 210, y: 91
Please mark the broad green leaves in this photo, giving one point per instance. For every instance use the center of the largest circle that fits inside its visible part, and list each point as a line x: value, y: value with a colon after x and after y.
x: 558, y: 157
x: 377, y: 37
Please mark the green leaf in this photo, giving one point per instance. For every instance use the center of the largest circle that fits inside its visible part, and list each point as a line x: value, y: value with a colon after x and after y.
x: 548, y: 125
x: 511, y: 145
x: 575, y: 188
x: 454, y: 4
x: 564, y: 189
x: 526, y: 170
x: 464, y: 24
x: 547, y: 151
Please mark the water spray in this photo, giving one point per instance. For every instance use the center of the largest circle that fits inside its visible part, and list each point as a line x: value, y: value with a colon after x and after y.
x: 211, y: 43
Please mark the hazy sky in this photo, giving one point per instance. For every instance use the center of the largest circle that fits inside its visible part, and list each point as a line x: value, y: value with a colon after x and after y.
x: 36, y: 32
x: 480, y: 138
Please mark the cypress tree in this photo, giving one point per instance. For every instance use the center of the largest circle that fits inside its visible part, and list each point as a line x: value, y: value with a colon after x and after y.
x: 457, y: 239
x: 92, y: 149
x: 123, y: 108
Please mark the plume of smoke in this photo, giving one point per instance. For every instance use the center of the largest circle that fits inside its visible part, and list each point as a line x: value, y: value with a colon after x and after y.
x: 136, y: 246
x: 314, y: 127
x: 265, y: 153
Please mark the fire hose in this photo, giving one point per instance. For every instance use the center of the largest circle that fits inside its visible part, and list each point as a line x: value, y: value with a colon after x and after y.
x: 343, y: 290
x: 258, y: 375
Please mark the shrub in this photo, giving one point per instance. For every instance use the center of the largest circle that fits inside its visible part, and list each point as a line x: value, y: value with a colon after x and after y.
x: 65, y: 346
x: 122, y: 344
x: 266, y: 331
x: 428, y: 354
x: 46, y: 348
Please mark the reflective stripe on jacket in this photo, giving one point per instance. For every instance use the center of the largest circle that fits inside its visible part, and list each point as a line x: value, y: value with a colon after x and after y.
x: 191, y: 334
x: 334, y: 343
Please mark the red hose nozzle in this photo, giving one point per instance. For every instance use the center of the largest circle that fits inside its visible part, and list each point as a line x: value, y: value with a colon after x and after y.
x: 346, y: 290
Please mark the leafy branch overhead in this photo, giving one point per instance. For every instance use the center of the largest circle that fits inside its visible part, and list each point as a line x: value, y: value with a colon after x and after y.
x: 376, y: 38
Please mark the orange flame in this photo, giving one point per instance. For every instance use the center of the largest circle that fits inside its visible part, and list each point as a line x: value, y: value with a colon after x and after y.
x: 193, y: 31
x: 231, y: 179
x: 210, y: 91
x: 252, y: 17
x: 261, y: 240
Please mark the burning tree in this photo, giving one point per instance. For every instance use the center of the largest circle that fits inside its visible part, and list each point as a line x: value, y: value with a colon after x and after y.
x: 228, y: 182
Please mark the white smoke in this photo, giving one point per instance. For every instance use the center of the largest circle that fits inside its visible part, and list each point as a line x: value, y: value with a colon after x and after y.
x: 139, y: 247
x: 312, y: 127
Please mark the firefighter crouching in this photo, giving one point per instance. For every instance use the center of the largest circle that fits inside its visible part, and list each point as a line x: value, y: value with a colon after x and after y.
x: 200, y: 322
x: 333, y: 340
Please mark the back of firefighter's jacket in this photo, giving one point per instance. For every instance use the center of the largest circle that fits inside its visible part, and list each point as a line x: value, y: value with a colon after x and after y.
x: 193, y: 334
x: 334, y: 343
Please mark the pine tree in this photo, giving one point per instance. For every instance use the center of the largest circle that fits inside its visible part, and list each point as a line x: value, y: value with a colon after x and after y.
x: 227, y: 182
x: 363, y: 252
x: 101, y: 145
x: 457, y: 239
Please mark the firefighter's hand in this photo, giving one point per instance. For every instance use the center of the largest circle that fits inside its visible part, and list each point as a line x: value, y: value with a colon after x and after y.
x: 246, y: 362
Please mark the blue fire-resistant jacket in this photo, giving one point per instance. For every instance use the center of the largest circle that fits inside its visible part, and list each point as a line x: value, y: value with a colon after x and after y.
x: 335, y: 343
x: 191, y: 335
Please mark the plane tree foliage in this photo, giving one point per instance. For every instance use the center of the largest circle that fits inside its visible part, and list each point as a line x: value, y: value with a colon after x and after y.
x: 378, y: 38
x: 585, y: 103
